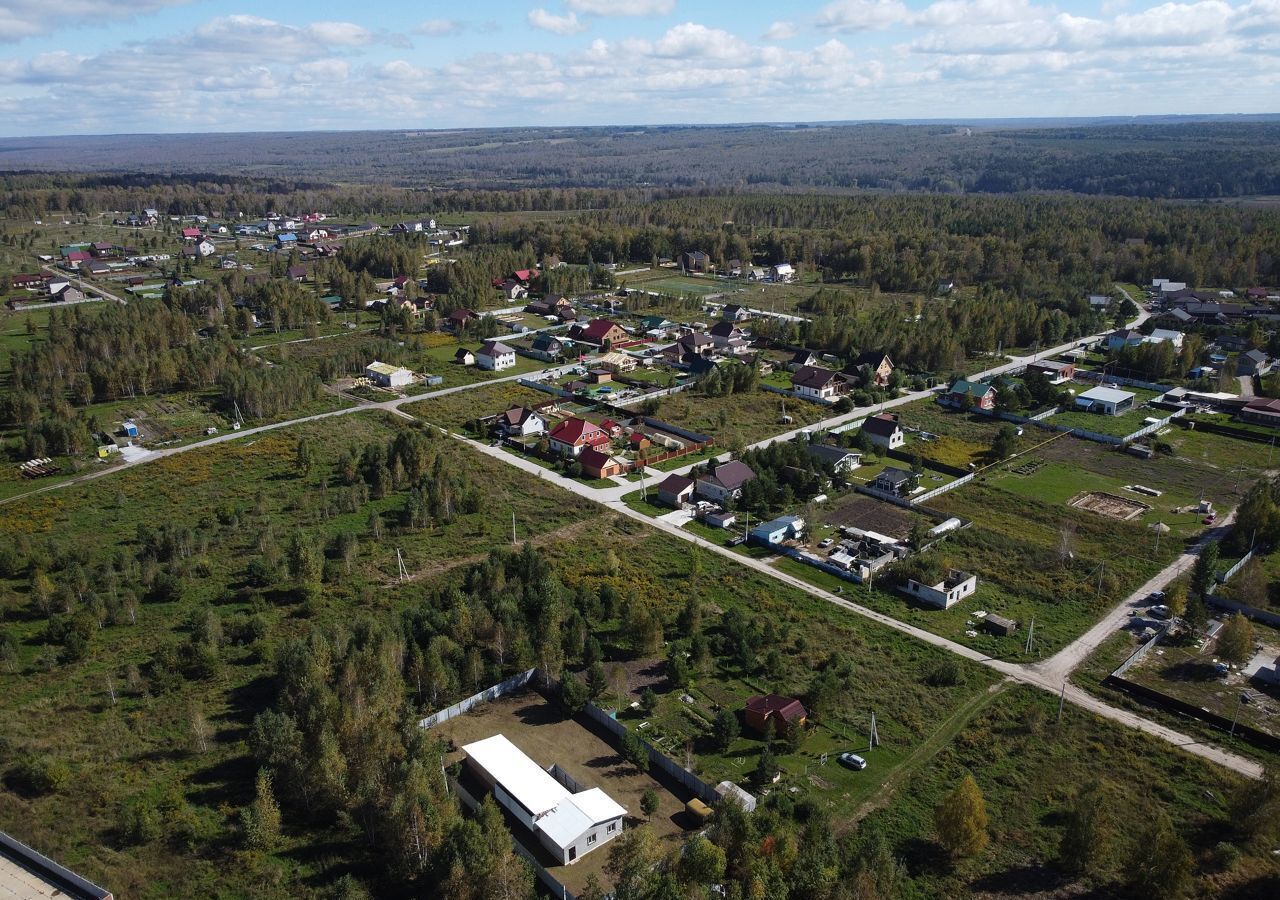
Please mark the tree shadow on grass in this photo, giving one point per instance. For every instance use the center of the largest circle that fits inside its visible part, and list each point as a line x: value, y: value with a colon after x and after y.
x: 230, y: 781
x: 1021, y: 881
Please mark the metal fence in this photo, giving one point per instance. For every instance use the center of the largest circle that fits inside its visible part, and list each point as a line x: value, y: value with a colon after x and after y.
x: 1227, y: 575
x: 657, y: 758
x: 493, y: 692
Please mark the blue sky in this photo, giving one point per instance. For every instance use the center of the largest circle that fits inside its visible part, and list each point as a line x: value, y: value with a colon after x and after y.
x: 104, y: 66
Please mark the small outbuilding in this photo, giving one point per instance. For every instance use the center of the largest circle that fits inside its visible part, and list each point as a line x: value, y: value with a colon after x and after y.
x: 999, y: 625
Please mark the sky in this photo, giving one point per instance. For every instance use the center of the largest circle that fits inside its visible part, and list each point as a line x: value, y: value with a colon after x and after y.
x: 139, y: 66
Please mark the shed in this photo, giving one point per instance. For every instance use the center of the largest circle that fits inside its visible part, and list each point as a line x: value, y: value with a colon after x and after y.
x: 999, y: 625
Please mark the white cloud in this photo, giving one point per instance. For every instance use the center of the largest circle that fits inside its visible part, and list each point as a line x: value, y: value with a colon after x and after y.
x: 862, y: 15
x: 690, y: 40
x: 622, y: 7
x: 438, y: 27
x: 21, y: 19
x: 540, y: 18
x: 781, y: 31
x: 339, y: 34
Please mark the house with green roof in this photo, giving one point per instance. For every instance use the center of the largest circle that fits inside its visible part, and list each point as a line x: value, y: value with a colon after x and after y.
x: 982, y: 396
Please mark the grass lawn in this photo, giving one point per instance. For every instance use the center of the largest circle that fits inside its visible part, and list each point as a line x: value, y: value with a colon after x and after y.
x: 439, y: 361
x: 745, y: 418
x: 1028, y: 769
x: 1116, y: 426
x: 456, y: 410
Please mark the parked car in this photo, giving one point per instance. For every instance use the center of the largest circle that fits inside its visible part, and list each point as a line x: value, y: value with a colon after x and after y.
x: 1210, y: 519
x: 852, y: 761
x: 1156, y: 597
x: 1159, y: 611
x: 826, y: 542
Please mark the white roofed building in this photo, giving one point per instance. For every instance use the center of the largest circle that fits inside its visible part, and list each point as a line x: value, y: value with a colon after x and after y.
x: 567, y: 824
x: 1108, y: 401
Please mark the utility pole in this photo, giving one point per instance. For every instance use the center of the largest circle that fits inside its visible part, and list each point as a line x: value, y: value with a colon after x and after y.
x: 875, y: 735
x: 513, y: 528
x: 1062, y: 699
x: 1031, y: 636
x: 404, y: 572
x: 1235, y: 715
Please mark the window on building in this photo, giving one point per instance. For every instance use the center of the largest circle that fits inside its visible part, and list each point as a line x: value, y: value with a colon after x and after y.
x: 591, y: 839
x: 611, y: 828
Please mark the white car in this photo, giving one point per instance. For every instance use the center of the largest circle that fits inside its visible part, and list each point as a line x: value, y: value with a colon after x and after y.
x: 852, y: 761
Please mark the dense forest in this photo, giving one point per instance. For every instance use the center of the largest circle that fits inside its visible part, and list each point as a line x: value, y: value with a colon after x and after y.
x: 1191, y: 159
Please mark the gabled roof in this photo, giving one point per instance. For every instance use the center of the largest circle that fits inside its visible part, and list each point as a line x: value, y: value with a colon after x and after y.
x: 787, y: 708
x: 594, y: 459
x: 724, y: 329
x: 814, y: 377
x: 517, y: 415
x: 974, y: 388
x: 546, y: 342
x: 830, y: 453
x: 1264, y: 405
x: 1256, y: 356
x: 894, y: 475
x: 802, y: 357
x: 730, y: 475
x: 575, y: 430
x: 870, y: 358
x: 883, y: 425
x: 462, y: 315
x: 494, y: 348
x: 675, y: 485
x: 598, y: 329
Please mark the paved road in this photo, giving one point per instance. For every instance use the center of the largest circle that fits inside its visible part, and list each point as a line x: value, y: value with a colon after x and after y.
x: 1246, y: 386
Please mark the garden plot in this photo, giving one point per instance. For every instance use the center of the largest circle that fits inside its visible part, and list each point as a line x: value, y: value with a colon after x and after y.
x: 869, y: 514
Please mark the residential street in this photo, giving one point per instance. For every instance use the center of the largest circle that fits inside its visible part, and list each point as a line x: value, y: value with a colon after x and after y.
x: 1048, y: 675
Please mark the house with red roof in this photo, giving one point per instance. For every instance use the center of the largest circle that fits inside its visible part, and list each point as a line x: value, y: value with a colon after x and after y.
x: 574, y: 435
x: 599, y: 332
x: 781, y: 712
x: 599, y: 464
x: 191, y: 234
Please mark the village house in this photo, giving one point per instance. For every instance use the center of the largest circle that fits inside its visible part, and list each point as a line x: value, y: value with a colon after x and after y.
x: 600, y: 332
x: 734, y: 313
x: 568, y: 825
x: 495, y: 356
x: 816, y: 383
x: 520, y: 421
x: 513, y: 290
x: 598, y: 464
x: 983, y: 396
x: 776, y: 531
x: 461, y: 318
x: 725, y: 482
x: 388, y: 376
x: 876, y: 367
x: 546, y: 347
x: 1253, y: 363
x: 1056, y: 372
x: 802, y: 359
x: 840, y: 459
x: 695, y: 261
x: 953, y: 588
x: 1104, y: 400
x: 884, y: 431
x: 783, y: 272
x: 191, y: 234
x: 574, y: 435
x: 464, y: 357
x: 781, y: 712
x: 894, y: 482
x: 1261, y: 411
x: 676, y: 491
